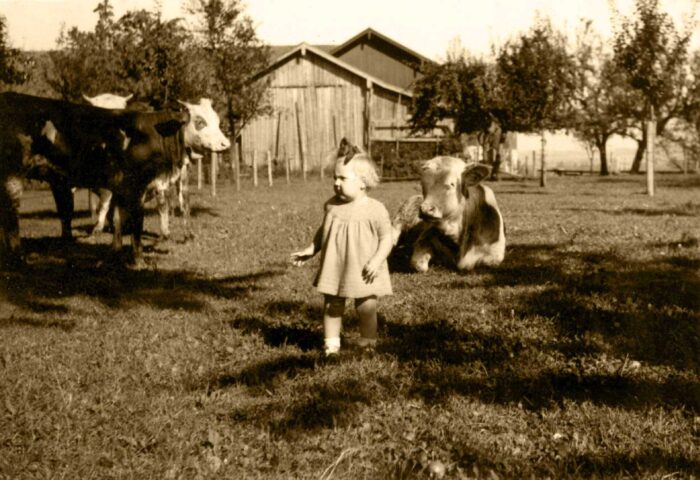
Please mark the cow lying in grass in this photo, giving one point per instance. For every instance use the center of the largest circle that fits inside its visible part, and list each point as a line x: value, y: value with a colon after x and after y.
x: 456, y: 218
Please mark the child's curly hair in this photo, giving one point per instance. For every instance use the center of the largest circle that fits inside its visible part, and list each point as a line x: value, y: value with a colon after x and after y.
x: 365, y: 169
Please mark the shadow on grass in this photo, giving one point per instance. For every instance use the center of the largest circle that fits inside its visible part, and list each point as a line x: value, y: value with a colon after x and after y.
x: 612, y: 464
x: 62, y: 324
x: 444, y: 343
x: 548, y: 388
x: 600, y: 303
x: 58, y: 270
x: 278, y: 333
x: 327, y: 404
x: 48, y: 213
x: 264, y: 374
x: 687, y: 210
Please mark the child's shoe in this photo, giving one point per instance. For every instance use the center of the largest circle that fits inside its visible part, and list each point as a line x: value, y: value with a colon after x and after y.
x: 331, y: 347
x: 363, y: 344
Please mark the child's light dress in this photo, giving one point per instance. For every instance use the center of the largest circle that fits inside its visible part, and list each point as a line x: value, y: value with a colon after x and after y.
x: 350, y: 237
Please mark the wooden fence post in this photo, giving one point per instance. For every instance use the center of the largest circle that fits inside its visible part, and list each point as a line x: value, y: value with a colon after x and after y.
x: 286, y: 167
x: 255, y: 168
x: 269, y: 168
x: 238, y: 159
x: 214, y: 166
x: 302, y: 140
x: 320, y: 165
x: 543, y: 179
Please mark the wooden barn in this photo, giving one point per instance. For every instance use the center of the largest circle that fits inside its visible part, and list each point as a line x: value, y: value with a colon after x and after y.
x: 360, y: 90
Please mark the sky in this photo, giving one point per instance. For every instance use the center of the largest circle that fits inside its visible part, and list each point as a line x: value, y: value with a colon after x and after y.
x: 428, y: 28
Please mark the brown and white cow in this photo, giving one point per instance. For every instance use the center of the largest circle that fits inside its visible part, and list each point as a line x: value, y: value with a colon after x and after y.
x: 202, y: 133
x: 71, y: 145
x: 456, y: 218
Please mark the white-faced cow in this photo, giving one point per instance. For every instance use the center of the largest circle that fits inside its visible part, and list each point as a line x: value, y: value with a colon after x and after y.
x: 456, y: 218
x: 202, y: 133
x: 70, y: 145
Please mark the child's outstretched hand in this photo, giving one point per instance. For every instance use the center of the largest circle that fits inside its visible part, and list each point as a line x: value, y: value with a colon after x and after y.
x: 370, y: 270
x: 299, y: 258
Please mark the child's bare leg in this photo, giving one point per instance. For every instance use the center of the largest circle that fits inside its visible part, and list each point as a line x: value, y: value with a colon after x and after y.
x: 333, y: 308
x: 367, y: 312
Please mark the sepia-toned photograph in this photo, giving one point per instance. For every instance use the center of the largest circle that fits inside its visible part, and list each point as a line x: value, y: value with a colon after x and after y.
x: 315, y: 239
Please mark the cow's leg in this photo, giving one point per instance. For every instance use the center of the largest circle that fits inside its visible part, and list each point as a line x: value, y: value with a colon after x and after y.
x: 119, y: 219
x: 63, y: 196
x: 134, y: 212
x: 10, y: 194
x: 422, y: 252
x: 163, y: 207
x: 105, y: 198
x: 184, y: 200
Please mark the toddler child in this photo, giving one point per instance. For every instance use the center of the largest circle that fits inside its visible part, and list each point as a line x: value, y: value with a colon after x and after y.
x: 354, y: 240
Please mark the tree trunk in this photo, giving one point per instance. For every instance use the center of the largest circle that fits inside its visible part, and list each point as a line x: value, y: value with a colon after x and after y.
x: 639, y: 154
x: 651, y: 126
x: 603, y: 159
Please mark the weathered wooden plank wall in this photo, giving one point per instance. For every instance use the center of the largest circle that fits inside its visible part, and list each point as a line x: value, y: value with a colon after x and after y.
x: 330, y: 102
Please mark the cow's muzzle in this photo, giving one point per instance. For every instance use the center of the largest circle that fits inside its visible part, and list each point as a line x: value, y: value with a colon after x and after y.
x: 429, y: 212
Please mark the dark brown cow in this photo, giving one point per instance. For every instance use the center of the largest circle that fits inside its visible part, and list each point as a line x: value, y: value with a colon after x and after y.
x: 456, y: 218
x: 71, y: 145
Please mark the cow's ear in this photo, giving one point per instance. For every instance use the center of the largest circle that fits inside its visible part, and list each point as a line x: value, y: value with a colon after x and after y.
x: 427, y: 165
x: 187, y: 105
x: 171, y: 126
x: 474, y: 174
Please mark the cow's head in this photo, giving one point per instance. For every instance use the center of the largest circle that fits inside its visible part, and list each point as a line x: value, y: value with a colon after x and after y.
x: 108, y: 100
x: 203, y: 132
x: 445, y: 182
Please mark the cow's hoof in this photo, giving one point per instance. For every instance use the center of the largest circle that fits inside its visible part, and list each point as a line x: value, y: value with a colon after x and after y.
x: 138, y: 264
x: 421, y: 267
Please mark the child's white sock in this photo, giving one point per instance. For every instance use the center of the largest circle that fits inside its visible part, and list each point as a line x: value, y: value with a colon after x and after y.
x: 331, y: 345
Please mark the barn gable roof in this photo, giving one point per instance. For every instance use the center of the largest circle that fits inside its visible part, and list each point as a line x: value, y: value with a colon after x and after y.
x: 304, y: 49
x: 369, y: 34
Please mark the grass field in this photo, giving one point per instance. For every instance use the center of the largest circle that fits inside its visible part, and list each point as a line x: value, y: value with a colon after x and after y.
x: 579, y: 357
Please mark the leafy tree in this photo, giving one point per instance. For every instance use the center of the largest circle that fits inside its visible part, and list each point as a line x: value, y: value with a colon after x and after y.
x: 461, y: 90
x: 226, y: 39
x: 601, y: 102
x: 456, y: 90
x: 86, y: 62
x: 138, y: 53
x: 14, y: 67
x: 526, y: 90
x: 654, y: 55
x: 152, y: 57
x: 535, y: 80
